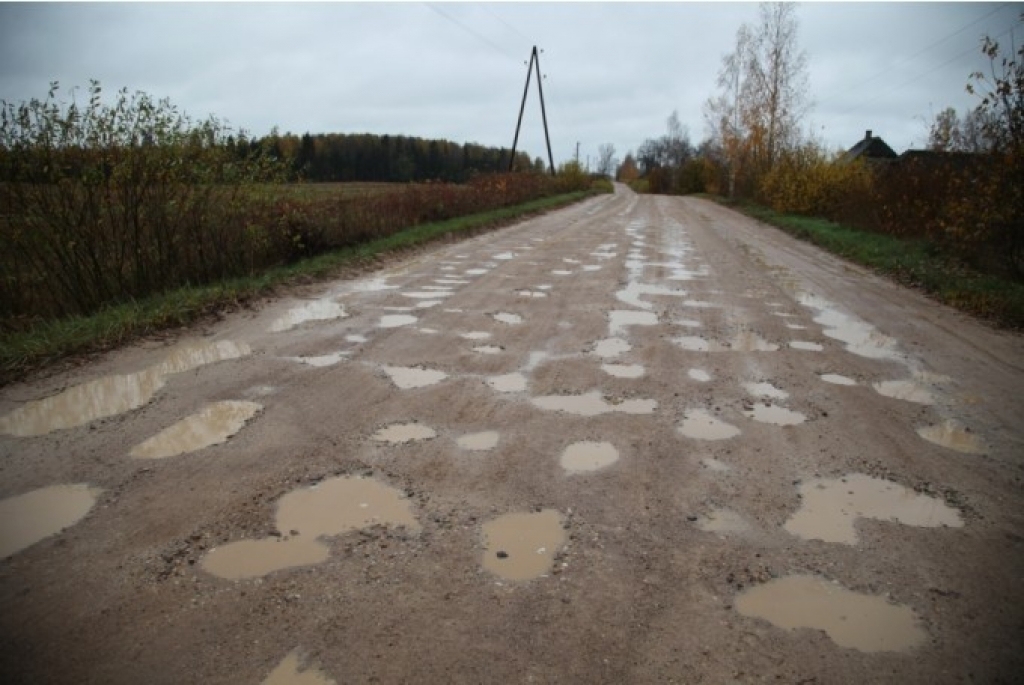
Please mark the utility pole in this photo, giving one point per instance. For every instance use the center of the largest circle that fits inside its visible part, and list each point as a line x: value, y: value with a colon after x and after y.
x: 577, y: 153
x: 533, y: 64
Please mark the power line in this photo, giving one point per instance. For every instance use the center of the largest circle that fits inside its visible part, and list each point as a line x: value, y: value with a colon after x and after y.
x: 471, y: 31
x: 506, y: 24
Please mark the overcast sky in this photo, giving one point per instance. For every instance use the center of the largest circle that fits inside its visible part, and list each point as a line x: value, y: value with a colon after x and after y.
x: 615, y: 71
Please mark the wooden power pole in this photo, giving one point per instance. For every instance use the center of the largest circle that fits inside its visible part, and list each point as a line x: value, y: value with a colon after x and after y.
x: 534, y: 64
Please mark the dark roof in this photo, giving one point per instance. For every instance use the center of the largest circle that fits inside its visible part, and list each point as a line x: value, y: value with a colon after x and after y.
x: 869, y: 148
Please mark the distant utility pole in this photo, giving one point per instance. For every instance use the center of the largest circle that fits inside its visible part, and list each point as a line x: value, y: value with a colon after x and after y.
x: 577, y: 153
x: 534, y: 62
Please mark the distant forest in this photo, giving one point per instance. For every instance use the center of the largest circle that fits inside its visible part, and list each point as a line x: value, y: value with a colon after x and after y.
x: 326, y: 157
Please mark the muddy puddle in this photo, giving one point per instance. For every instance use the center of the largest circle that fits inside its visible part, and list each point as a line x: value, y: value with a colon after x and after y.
x: 407, y: 377
x: 635, y: 290
x: 863, y: 622
x: 396, y: 320
x: 522, y: 546
x: 593, y: 404
x: 620, y: 319
x: 510, y: 382
x: 611, y: 347
x: 476, y: 272
x: 291, y: 672
x: 774, y: 415
x: 712, y: 464
x: 212, y: 425
x: 426, y: 294
x: 830, y: 508
x: 699, y: 424
x: 475, y: 335
x: 36, y: 515
x: 908, y: 391
x: 699, y: 375
x: 953, y: 435
x: 561, y: 272
x: 487, y: 349
x: 332, y: 507
x: 859, y: 337
x: 765, y: 390
x: 806, y: 346
x: 317, y: 310
x: 722, y: 521
x: 320, y: 361
x: 112, y: 395
x: 836, y: 379
x: 623, y: 370
x: 537, y: 294
x: 581, y: 457
x: 356, y: 338
x: 401, y: 433
x: 479, y: 442
x: 508, y: 318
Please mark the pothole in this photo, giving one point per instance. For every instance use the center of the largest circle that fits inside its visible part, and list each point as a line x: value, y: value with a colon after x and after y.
x: 745, y: 341
x: 510, y: 382
x: 330, y: 508
x: 699, y: 375
x: 475, y: 335
x: 396, y: 320
x: 620, y: 319
x: 701, y: 425
x: 112, y: 395
x: 593, y: 404
x: 487, y: 349
x: 837, y: 379
x: 33, y: 516
x: 522, y: 546
x: 479, y: 442
x: 774, y: 415
x: 765, y: 390
x: 317, y: 310
x: 537, y: 294
x: 401, y: 433
x: 611, y: 347
x: 508, y: 318
x: 426, y: 294
x: 908, y: 391
x: 355, y: 338
x: 712, y: 464
x: 320, y: 361
x: 407, y: 378
x: 290, y: 672
x: 723, y: 521
x: 585, y: 456
x: 623, y: 370
x: 561, y: 272
x: 476, y: 272
x: 953, y: 435
x: 213, y: 425
x: 830, y: 508
x: 860, y: 338
x: 805, y: 345
x: 853, y: 620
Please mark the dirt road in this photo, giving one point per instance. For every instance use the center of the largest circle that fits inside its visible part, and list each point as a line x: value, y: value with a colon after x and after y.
x: 639, y: 440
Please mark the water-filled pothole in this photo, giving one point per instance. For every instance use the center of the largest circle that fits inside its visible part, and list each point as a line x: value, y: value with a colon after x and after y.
x: 908, y: 391
x: 112, y: 395
x: 620, y: 319
x: 806, y: 345
x: 396, y: 320
x: 289, y: 672
x: 623, y: 370
x: 407, y: 377
x: 716, y: 465
x: 765, y: 390
x: 320, y: 361
x: 699, y: 375
x: 744, y: 341
x: 701, y: 425
x: 830, y: 508
x: 722, y: 521
x: 401, y: 433
x: 508, y: 318
x: 593, y: 404
x: 611, y: 347
x: 836, y: 379
x: 214, y: 424
x: 479, y: 442
x: 588, y: 455
x: 317, y: 310
x: 860, y: 338
x: 953, y: 435
x: 426, y: 294
x: 487, y: 349
x: 774, y: 415
x: 522, y: 546
x: 330, y: 508
x: 510, y: 382
x: 33, y: 516
x: 853, y: 620
x: 475, y: 335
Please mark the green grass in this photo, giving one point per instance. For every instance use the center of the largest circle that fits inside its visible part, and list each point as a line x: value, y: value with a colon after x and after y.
x: 914, y: 263
x: 116, y: 325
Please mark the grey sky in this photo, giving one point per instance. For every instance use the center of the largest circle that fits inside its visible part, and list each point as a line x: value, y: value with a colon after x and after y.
x: 614, y: 71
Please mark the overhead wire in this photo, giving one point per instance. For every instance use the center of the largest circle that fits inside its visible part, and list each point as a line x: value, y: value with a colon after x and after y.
x: 469, y: 30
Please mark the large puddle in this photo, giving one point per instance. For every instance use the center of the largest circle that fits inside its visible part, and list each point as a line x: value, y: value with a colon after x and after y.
x: 908, y: 391
x: 401, y: 433
x: 479, y: 442
x: 214, y: 424
x: 510, y: 382
x: 522, y: 546
x: 585, y: 456
x: 112, y: 395
x: 290, y: 672
x: 953, y: 435
x: 774, y: 415
x: 620, y: 319
x: 699, y: 424
x: 330, y: 508
x: 317, y: 310
x: 593, y: 404
x: 830, y: 508
x: 407, y: 377
x: 862, y: 622
x: 859, y: 337
x: 33, y: 516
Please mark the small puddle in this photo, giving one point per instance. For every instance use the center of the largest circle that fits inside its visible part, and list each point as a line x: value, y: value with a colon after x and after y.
x: 479, y: 442
x: 355, y: 338
x: 531, y: 293
x: 330, y: 508
x: 621, y: 318
x: 487, y: 349
x: 723, y: 521
x: 507, y: 318
x: 426, y: 295
x: 407, y: 378
x: 830, y: 508
x: 112, y: 395
x: 953, y: 435
x: 451, y: 281
x: 593, y: 404
x: 909, y: 391
x: 401, y: 433
x: 396, y: 320
x: 475, y: 335
x: 853, y: 620
x: 510, y: 382
x: 699, y: 375
x: 765, y: 390
x: 213, y: 425
x: 805, y: 345
x: 687, y: 323
x: 796, y: 327
x: 561, y: 272
x: 522, y: 546
x: 33, y: 516
x: 320, y: 361
x: 699, y: 424
x: 611, y: 347
x: 623, y: 370
x: 836, y: 379
x: 748, y: 341
x: 289, y: 672
x: 712, y: 464
x: 588, y: 456
x: 476, y: 272
x: 774, y: 415
x: 504, y: 256
x: 317, y: 310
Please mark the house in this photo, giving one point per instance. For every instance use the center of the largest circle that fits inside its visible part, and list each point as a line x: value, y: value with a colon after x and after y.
x: 870, y: 149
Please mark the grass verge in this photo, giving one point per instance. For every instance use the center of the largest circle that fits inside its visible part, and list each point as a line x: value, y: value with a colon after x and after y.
x: 116, y: 325
x: 915, y: 263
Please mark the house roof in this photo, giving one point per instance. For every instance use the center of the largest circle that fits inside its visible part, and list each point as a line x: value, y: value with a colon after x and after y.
x: 871, y: 148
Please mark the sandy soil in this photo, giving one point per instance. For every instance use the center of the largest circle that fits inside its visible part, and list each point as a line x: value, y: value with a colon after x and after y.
x: 382, y: 446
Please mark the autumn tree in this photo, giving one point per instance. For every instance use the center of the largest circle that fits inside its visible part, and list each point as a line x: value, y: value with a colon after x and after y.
x: 606, y: 159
